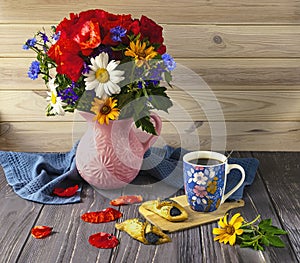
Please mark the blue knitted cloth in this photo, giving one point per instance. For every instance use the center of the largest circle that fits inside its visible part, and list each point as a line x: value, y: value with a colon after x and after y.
x: 33, y: 176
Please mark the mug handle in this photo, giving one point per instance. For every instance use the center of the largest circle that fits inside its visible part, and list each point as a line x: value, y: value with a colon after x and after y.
x: 230, y: 167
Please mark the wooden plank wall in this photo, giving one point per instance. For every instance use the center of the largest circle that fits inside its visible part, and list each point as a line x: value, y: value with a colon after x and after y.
x: 247, y: 51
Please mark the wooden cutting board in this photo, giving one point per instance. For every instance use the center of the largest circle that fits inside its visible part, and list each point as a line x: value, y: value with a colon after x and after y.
x: 194, y: 219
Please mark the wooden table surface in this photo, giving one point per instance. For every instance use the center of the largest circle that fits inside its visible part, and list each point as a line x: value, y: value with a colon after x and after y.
x: 274, y: 194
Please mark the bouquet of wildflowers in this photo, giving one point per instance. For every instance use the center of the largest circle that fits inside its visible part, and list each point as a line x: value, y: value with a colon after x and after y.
x: 111, y: 65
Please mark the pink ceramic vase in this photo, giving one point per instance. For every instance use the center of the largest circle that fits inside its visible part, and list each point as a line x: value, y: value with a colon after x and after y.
x: 110, y: 156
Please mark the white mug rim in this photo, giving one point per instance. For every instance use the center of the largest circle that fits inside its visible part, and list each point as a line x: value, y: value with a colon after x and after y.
x: 207, y: 155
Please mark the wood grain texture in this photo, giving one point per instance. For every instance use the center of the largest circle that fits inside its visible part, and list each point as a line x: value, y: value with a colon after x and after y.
x: 70, y: 237
x: 257, y: 201
x: 200, y: 11
x: 17, y: 217
x: 194, y: 105
x: 204, y: 41
x: 218, y: 73
x: 60, y: 136
x: 281, y: 176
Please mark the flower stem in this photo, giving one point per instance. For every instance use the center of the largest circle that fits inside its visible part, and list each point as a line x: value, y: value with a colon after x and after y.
x: 250, y: 223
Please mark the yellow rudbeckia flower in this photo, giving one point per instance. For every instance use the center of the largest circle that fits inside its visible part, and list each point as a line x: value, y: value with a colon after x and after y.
x: 140, y: 53
x: 105, y: 110
x: 229, y: 231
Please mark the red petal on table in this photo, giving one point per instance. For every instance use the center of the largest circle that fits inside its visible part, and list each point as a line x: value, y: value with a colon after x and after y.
x: 66, y: 192
x: 41, y: 231
x: 126, y: 200
x: 106, y: 215
x: 103, y: 240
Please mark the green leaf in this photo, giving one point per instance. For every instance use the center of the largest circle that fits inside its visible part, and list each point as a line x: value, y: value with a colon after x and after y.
x: 273, y: 230
x: 265, y: 241
x: 266, y: 227
x: 146, y: 125
x: 159, y: 99
x: 168, y: 76
x: 265, y: 223
x: 275, y: 241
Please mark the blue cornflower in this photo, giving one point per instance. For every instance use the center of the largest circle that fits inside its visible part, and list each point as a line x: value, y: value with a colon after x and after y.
x: 56, y: 36
x: 169, y: 61
x: 44, y: 37
x: 86, y: 68
x: 34, y: 70
x: 29, y: 43
x: 140, y: 84
x: 118, y: 32
x: 149, y: 82
x: 69, y: 95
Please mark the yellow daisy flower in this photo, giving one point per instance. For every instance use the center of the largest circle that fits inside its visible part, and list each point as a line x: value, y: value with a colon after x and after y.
x: 105, y: 110
x: 228, y: 231
x: 139, y: 52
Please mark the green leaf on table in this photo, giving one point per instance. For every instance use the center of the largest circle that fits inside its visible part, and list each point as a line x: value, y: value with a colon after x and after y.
x: 265, y: 241
x: 275, y: 241
x: 266, y: 227
x: 265, y: 223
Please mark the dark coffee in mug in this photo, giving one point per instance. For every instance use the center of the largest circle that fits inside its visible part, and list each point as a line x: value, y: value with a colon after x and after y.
x: 205, y: 161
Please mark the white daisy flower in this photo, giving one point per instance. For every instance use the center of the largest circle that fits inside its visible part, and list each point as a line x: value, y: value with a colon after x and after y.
x: 55, y: 101
x: 103, y: 77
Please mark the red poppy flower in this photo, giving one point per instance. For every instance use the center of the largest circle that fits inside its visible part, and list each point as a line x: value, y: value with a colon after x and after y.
x: 66, y: 192
x: 41, y: 231
x: 103, y: 240
x: 88, y: 37
x: 126, y: 200
x: 106, y: 215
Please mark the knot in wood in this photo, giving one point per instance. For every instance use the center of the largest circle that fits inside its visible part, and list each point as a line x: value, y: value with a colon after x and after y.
x: 217, y: 39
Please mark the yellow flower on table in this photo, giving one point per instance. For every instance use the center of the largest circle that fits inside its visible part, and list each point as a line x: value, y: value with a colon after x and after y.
x: 105, y: 110
x: 229, y: 231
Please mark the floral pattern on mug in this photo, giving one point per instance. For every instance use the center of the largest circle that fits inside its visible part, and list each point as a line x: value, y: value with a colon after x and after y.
x: 200, y: 191
x: 200, y: 178
x: 204, y: 186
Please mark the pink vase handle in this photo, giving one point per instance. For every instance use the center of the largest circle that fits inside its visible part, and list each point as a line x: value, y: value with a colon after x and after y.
x: 151, y: 139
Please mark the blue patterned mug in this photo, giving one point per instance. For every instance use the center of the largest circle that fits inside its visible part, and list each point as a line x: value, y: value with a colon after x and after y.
x: 205, y: 174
